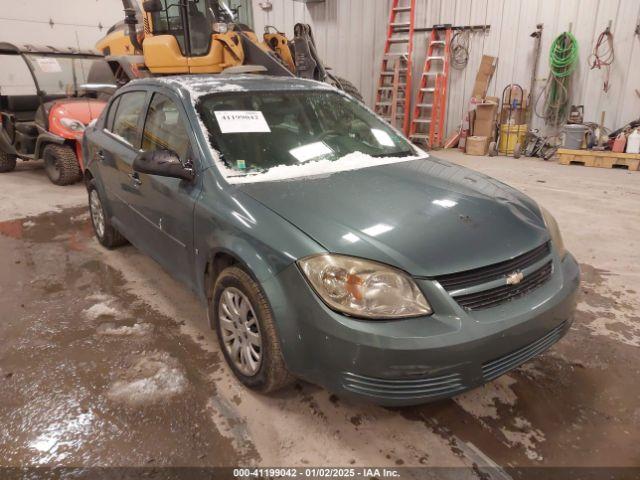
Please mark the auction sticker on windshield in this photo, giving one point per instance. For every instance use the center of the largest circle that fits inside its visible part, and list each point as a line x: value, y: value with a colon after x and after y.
x: 242, y: 121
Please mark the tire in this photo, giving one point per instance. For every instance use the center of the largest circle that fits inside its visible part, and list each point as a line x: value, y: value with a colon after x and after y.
x: 7, y: 162
x: 493, y: 149
x: 517, y: 151
x: 106, y: 233
x: 270, y: 373
x: 348, y: 87
x: 61, y: 164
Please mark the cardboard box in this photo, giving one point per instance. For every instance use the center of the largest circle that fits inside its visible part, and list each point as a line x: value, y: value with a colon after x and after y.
x: 487, y: 68
x: 477, y: 145
x: 485, y: 118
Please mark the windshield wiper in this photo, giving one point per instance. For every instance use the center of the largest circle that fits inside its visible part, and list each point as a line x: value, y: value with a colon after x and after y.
x: 403, y: 153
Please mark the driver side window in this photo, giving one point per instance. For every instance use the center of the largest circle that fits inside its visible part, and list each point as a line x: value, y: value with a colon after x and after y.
x: 164, y: 128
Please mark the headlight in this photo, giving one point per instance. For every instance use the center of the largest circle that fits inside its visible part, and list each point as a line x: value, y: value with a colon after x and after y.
x: 554, y: 232
x: 71, y: 124
x: 363, y: 288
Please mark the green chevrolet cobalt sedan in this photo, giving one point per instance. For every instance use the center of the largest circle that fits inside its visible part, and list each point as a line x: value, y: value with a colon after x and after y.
x: 324, y: 244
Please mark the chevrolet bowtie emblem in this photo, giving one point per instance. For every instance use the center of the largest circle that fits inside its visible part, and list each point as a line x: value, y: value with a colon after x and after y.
x: 515, y: 278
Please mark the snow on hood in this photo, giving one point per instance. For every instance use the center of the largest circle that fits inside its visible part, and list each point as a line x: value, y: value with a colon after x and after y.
x: 352, y: 161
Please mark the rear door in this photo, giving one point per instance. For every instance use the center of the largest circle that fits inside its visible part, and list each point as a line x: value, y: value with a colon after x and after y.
x: 164, y: 206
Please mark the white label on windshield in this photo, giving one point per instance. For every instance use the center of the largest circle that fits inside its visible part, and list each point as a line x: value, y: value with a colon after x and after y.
x: 48, y: 65
x: 383, y: 137
x: 310, y: 151
x: 242, y: 121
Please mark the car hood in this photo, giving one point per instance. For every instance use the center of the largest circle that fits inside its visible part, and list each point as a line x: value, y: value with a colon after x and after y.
x: 428, y: 217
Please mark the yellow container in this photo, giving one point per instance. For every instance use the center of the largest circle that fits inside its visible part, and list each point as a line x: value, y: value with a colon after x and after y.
x: 510, y: 136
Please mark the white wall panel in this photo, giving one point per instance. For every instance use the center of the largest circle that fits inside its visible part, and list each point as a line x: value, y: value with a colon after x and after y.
x: 350, y: 37
x: 75, y: 23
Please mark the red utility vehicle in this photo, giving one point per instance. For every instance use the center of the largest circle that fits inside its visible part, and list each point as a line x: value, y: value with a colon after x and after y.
x: 49, y: 123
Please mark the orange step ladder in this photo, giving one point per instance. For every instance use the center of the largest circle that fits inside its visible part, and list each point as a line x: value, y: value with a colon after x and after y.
x: 429, y: 112
x: 393, y: 96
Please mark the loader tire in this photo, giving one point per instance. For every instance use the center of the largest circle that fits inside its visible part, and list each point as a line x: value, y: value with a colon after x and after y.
x: 61, y: 164
x: 348, y: 87
x: 7, y: 162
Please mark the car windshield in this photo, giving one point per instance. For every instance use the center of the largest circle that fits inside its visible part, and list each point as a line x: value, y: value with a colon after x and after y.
x: 256, y: 131
x: 60, y: 74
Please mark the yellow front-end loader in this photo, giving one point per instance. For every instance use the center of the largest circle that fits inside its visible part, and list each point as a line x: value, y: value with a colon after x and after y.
x: 162, y: 37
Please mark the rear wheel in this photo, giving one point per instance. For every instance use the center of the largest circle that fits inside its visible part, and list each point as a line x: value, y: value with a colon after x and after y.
x: 246, y: 332
x: 348, y: 87
x: 106, y: 233
x: 7, y: 162
x: 517, y: 151
x: 61, y: 164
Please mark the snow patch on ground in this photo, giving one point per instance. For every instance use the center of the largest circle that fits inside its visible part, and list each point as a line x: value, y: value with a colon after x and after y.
x: 137, y: 330
x: 100, y: 309
x: 153, y: 377
x: 622, y: 328
x: 524, y: 436
x: 484, y: 401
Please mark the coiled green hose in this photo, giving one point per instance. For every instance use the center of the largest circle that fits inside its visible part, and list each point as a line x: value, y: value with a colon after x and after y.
x: 563, y: 61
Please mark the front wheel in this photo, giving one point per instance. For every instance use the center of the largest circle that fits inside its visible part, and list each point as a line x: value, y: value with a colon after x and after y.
x: 61, y: 164
x: 242, y: 317
x: 493, y: 149
x: 7, y: 162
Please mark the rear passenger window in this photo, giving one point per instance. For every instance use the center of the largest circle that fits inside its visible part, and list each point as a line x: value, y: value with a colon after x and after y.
x: 164, y: 128
x: 125, y: 124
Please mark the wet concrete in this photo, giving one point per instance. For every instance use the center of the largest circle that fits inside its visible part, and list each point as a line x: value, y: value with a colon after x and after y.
x: 105, y: 360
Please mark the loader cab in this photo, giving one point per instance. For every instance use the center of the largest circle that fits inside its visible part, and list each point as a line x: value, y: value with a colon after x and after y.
x: 193, y: 36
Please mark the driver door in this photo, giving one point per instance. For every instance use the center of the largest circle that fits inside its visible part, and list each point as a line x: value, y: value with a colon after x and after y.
x: 165, y: 206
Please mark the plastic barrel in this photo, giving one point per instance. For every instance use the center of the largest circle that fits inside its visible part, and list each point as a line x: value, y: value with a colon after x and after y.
x: 510, y: 136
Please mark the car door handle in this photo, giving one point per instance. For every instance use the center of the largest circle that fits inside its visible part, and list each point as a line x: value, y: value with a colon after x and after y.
x: 135, y: 179
x: 100, y: 155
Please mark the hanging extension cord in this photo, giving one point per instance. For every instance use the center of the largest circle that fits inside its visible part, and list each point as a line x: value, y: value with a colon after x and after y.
x: 563, y: 60
x: 460, y: 49
x: 603, y: 56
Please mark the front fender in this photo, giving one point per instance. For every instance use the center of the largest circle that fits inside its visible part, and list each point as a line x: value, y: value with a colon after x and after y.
x: 44, y: 139
x: 230, y: 222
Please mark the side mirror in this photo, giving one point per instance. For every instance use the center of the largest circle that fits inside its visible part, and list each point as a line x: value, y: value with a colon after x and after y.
x: 163, y: 163
x: 152, y: 6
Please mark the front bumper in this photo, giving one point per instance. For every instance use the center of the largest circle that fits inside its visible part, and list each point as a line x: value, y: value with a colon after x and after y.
x: 413, y: 361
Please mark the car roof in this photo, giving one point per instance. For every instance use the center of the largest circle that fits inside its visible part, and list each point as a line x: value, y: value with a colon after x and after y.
x: 199, y: 85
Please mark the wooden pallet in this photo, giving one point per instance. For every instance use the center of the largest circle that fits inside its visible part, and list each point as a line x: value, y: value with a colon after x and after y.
x: 590, y: 158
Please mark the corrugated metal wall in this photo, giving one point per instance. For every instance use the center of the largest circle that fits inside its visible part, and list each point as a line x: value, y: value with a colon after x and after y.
x: 350, y: 37
x: 60, y: 23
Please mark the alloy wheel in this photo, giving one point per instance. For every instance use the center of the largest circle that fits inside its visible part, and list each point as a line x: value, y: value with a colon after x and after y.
x: 240, y: 331
x: 97, y: 214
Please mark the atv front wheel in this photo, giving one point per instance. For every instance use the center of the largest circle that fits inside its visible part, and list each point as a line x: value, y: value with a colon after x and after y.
x: 348, y: 87
x: 61, y: 164
x: 7, y: 162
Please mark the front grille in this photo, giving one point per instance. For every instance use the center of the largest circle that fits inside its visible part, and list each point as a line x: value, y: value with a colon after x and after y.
x: 444, y: 385
x: 478, y: 276
x: 495, y: 296
x: 495, y: 368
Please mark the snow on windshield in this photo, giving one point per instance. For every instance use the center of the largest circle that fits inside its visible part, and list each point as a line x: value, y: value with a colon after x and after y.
x: 197, y: 87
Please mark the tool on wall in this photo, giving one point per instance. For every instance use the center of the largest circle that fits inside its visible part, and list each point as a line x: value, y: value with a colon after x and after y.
x: 393, y: 97
x: 427, y: 122
x: 537, y: 35
x: 603, y: 55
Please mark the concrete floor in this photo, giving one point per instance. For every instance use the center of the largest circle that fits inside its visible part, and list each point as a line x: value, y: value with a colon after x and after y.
x: 105, y: 360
